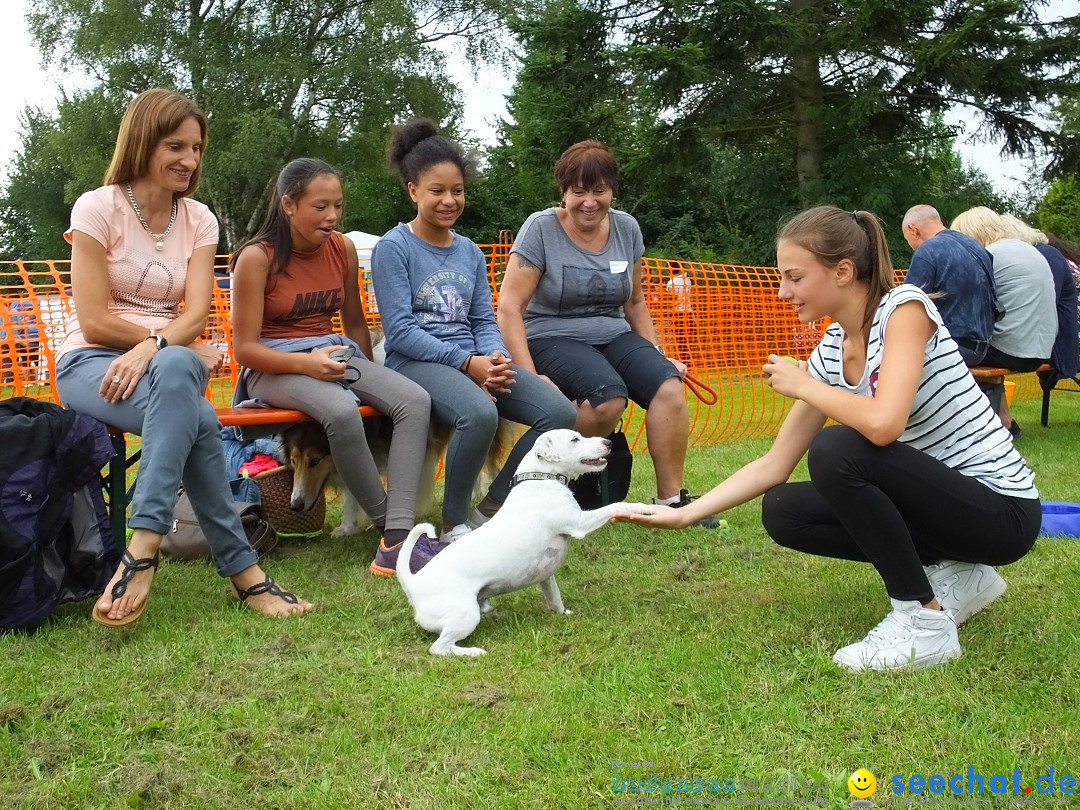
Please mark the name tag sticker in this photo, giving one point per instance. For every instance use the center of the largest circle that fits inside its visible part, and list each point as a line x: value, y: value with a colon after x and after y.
x: 618, y: 267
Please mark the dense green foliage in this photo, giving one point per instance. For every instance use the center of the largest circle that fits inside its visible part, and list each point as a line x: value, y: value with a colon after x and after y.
x: 1059, y: 211
x: 726, y: 117
x: 279, y: 79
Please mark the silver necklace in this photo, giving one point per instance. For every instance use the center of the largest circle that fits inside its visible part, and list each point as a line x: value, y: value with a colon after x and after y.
x: 159, y: 238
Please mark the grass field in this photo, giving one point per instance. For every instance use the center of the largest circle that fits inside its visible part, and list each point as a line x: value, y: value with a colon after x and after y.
x: 707, y: 657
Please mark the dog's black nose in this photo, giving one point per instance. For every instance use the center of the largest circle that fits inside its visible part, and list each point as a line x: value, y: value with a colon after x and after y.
x: 607, y: 443
x: 297, y: 506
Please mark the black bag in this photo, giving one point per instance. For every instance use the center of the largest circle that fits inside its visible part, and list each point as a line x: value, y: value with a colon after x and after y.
x: 185, y: 540
x: 611, y: 484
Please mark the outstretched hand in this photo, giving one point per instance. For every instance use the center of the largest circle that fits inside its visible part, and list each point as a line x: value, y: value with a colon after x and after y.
x: 658, y: 517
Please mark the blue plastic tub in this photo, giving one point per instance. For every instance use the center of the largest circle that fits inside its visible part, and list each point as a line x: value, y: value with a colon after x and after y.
x: 1059, y: 518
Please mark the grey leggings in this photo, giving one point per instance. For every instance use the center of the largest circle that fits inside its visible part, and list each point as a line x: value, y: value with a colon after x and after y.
x: 335, y: 409
x: 181, y: 441
x: 459, y: 402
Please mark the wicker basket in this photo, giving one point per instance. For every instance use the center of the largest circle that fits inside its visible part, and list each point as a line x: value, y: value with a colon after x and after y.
x: 276, y: 488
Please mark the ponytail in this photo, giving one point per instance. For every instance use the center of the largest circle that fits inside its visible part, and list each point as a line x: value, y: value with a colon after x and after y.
x: 832, y: 234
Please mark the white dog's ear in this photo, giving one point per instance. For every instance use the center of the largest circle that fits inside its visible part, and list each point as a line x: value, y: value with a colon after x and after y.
x: 546, y: 449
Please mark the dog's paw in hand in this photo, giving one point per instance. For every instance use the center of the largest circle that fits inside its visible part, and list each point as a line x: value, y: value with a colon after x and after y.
x: 637, y: 509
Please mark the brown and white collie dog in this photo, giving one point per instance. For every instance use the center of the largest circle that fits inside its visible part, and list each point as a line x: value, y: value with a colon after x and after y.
x: 307, y: 453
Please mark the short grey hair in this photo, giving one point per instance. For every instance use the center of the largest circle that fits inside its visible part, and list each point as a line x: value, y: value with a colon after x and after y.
x: 920, y: 213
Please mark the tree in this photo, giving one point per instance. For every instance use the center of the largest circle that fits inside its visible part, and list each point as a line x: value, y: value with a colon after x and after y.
x: 569, y: 88
x: 62, y: 155
x: 278, y: 78
x: 712, y: 159
x: 1059, y: 210
x: 818, y: 77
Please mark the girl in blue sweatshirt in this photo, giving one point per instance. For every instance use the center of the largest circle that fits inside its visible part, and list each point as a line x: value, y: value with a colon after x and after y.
x: 434, y: 299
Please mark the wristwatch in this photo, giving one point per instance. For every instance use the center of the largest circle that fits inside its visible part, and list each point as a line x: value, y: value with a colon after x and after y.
x: 158, y: 339
x: 660, y: 349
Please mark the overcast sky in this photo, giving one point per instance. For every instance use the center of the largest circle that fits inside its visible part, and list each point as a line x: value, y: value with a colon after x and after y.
x: 25, y: 82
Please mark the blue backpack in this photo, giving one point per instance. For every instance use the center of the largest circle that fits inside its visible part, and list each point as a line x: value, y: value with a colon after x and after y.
x: 56, y: 542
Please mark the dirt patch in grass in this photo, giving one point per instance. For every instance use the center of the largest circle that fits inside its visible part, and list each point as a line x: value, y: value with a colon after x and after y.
x: 485, y: 694
x: 12, y: 715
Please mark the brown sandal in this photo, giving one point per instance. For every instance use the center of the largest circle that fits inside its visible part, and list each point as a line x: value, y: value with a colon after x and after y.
x: 266, y: 586
x: 132, y: 566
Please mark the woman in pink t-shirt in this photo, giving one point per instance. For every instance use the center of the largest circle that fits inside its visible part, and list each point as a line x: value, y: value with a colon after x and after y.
x: 140, y: 246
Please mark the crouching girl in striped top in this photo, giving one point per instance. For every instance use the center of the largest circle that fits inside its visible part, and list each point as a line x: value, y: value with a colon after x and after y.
x: 919, y: 478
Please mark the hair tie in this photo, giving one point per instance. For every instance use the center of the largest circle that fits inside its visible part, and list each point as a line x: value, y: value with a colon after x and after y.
x: 856, y: 215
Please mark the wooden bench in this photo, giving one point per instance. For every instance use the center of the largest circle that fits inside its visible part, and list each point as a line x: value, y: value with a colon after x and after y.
x: 987, y: 375
x: 1048, y: 380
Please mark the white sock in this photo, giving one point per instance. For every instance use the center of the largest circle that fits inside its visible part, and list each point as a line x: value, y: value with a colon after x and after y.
x: 667, y: 501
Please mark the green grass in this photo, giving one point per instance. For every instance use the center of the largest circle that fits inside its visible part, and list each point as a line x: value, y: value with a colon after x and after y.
x: 709, y: 656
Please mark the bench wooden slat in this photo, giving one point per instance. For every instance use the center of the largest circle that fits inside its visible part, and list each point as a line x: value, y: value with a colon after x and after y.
x: 241, y: 417
x: 989, y: 374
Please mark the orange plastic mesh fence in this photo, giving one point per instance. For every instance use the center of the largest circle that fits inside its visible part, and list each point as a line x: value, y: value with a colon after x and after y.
x: 721, y: 320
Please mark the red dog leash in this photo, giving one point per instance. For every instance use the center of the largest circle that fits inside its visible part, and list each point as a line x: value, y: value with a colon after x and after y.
x: 700, y: 389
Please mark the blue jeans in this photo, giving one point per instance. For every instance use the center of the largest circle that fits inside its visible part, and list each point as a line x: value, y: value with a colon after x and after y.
x: 181, y: 443
x: 459, y: 402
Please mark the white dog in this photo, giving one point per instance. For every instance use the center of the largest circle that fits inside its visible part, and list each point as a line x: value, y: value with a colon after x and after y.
x: 525, y: 543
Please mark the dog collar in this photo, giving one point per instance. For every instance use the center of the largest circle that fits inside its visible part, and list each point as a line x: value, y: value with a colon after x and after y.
x: 538, y: 476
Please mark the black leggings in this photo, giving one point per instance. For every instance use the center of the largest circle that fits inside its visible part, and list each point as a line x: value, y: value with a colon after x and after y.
x: 897, y: 508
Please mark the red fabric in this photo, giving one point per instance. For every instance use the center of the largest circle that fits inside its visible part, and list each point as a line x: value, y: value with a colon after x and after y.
x: 260, y: 462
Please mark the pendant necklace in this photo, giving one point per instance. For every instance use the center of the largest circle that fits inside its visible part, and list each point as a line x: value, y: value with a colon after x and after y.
x: 159, y: 238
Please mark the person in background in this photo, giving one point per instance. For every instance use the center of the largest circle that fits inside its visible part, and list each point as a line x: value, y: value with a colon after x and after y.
x: 959, y: 273
x: 142, y: 257
x: 572, y: 309
x: 918, y: 477
x: 1072, y: 255
x: 680, y: 293
x: 1065, y: 355
x: 1023, y: 336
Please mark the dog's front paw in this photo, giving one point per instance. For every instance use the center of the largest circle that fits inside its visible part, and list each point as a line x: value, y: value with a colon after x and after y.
x: 635, y: 508
x: 567, y: 612
x: 343, y: 531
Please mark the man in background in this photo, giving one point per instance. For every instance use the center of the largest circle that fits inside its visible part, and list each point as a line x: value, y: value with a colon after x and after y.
x: 960, y: 273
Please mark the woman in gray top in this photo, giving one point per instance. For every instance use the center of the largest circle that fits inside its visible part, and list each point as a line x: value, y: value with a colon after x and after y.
x: 1023, y: 336
x: 572, y: 309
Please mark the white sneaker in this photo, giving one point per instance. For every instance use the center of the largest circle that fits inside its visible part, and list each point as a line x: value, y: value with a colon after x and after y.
x: 456, y: 533
x: 910, y: 636
x: 963, y: 588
